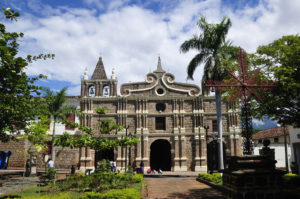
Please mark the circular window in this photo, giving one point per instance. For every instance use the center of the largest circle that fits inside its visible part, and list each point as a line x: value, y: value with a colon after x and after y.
x: 160, y: 91
x: 160, y: 107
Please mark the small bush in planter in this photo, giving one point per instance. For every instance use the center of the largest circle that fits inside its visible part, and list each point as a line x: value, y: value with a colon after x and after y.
x: 215, y: 178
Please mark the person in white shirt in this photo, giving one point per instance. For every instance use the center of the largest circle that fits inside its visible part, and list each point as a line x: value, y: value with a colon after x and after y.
x: 51, y: 163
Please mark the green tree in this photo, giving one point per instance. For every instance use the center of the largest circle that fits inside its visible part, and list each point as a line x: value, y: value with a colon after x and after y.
x: 280, y: 62
x: 88, y: 138
x: 213, y: 50
x: 57, y: 108
x: 18, y: 105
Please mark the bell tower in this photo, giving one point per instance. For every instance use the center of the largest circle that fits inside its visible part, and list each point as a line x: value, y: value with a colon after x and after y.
x: 99, y: 85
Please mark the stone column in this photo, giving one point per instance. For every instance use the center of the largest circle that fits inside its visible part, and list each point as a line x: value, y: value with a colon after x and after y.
x: 86, y: 159
x: 146, y: 154
x: 183, y: 158
x: 177, y: 158
x: 120, y: 158
x: 197, y: 152
x: 138, y: 158
x: 96, y: 89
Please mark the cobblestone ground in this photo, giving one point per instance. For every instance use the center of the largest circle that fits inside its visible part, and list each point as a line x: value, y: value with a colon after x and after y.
x: 180, y: 187
x: 16, y: 184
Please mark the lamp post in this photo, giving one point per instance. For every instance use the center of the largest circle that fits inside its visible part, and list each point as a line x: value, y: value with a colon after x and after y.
x: 206, y: 130
x: 129, y: 162
x: 206, y: 138
x: 126, y: 149
x: 234, y: 140
x: 285, y: 149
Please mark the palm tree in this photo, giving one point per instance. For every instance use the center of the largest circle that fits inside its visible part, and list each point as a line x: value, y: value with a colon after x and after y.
x: 57, y: 108
x: 213, y: 50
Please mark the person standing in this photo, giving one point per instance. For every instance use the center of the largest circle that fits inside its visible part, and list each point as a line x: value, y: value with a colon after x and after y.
x: 114, y: 166
x: 51, y: 163
x: 142, y: 167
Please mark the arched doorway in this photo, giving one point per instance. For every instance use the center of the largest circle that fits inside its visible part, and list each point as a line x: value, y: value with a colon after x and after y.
x: 160, y: 155
x: 212, y: 156
x: 107, y: 154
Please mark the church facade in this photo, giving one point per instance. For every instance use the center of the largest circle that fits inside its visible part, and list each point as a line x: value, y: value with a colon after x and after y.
x: 176, y: 126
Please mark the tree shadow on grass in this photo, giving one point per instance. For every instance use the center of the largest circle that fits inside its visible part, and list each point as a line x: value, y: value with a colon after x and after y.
x: 207, y: 193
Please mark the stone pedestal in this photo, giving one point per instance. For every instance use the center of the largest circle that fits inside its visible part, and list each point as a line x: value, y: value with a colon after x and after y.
x: 253, y: 177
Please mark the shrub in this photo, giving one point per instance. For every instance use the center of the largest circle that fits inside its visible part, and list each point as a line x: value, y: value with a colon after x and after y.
x: 215, y: 178
x: 57, y: 196
x: 291, y: 180
x: 114, y: 194
x: 50, y: 173
x: 137, y: 178
x: 99, y: 181
x: 104, y: 166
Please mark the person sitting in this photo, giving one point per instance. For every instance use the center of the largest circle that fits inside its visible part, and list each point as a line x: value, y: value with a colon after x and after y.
x: 149, y: 171
x: 154, y: 171
x: 160, y: 171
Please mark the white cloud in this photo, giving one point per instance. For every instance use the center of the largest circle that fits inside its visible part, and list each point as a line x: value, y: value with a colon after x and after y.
x: 258, y: 122
x: 130, y: 38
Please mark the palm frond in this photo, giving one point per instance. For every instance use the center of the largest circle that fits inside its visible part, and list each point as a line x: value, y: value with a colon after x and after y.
x: 190, y: 44
x: 194, y: 63
x: 59, y: 99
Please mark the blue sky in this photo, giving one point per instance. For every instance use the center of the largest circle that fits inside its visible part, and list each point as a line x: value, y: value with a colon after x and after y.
x: 129, y: 35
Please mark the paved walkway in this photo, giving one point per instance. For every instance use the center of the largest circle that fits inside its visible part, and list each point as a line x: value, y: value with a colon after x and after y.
x: 16, y: 184
x: 180, y: 187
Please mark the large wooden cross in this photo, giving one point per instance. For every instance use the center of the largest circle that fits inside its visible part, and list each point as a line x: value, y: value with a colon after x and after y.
x: 243, y: 86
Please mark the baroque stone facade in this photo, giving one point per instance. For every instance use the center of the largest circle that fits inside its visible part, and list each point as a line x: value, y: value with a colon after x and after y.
x: 167, y: 117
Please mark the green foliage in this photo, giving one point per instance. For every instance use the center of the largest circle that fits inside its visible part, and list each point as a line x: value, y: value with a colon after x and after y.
x: 101, y: 110
x: 56, y: 196
x: 36, y: 134
x: 114, y: 194
x: 280, y: 62
x: 88, y: 139
x: 18, y: 103
x: 50, y: 173
x: 215, y: 178
x: 213, y: 49
x: 108, y: 126
x: 99, y: 181
x: 104, y: 166
x: 291, y: 180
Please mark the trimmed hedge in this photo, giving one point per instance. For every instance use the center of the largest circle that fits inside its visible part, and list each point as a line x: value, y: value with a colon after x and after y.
x: 215, y: 178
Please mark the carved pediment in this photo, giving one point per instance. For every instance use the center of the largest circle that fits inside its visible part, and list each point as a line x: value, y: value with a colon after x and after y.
x: 159, y: 84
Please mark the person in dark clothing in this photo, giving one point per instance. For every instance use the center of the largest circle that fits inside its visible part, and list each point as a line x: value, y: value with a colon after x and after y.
x: 142, y: 166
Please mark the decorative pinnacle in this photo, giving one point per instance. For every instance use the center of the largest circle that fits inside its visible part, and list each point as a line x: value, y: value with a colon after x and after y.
x: 85, y: 75
x: 159, y: 68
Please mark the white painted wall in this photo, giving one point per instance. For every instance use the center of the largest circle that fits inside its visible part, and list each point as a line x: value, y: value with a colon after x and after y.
x: 60, y: 128
x: 295, y: 141
x: 279, y: 153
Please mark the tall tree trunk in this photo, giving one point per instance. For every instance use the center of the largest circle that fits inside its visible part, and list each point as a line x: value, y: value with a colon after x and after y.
x: 53, y: 136
x: 220, y: 134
